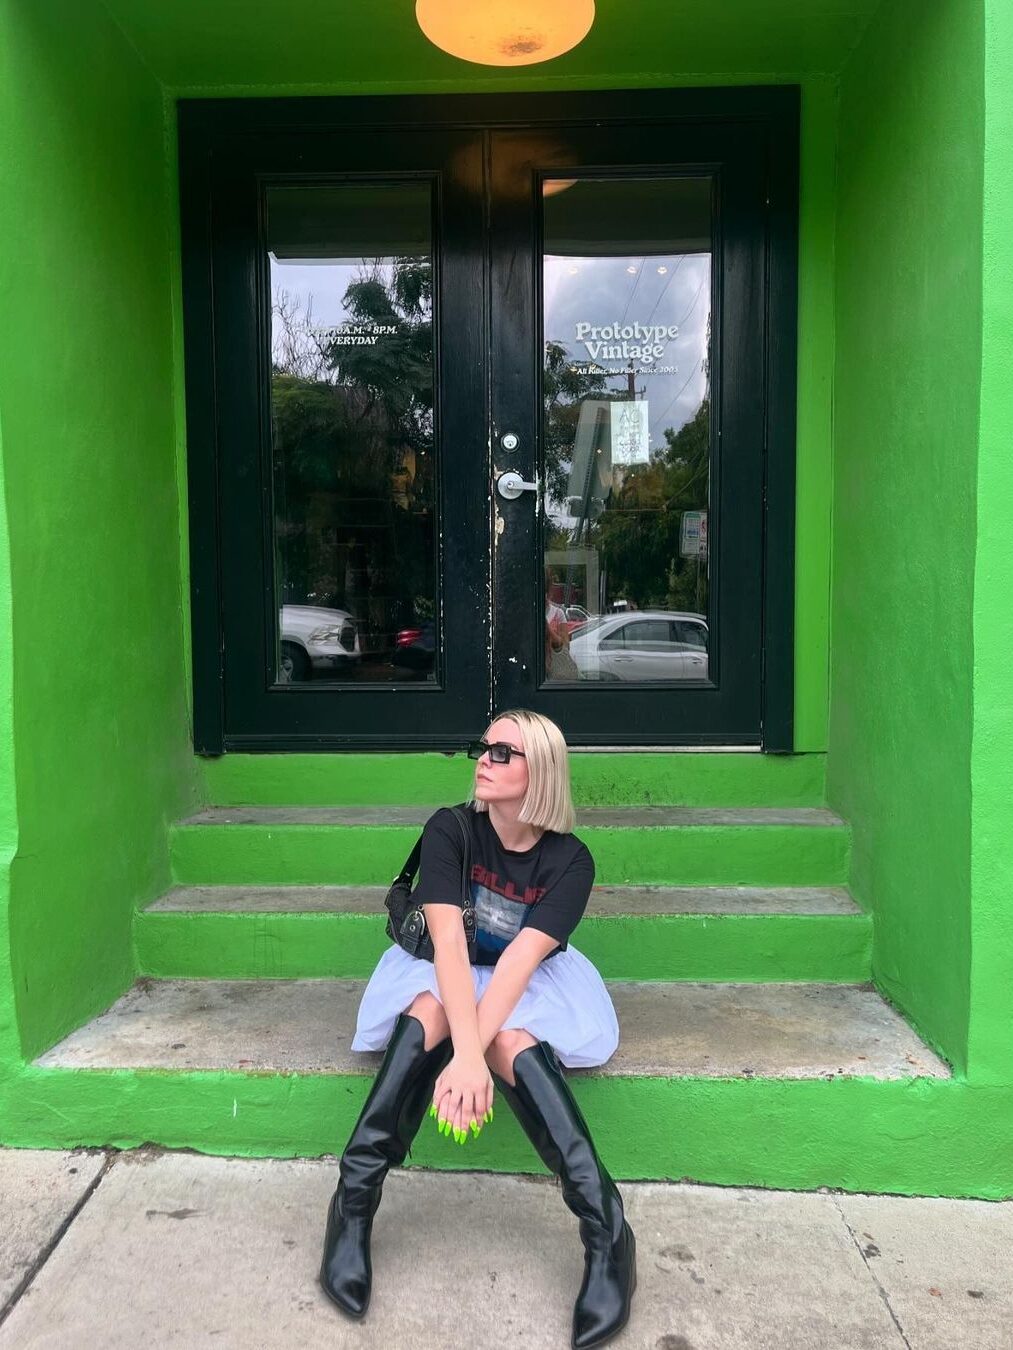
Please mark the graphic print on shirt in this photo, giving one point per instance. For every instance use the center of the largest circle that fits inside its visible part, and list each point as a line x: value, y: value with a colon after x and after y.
x: 499, y: 910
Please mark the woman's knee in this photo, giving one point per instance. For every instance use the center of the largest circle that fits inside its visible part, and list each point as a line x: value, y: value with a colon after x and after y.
x: 504, y: 1048
x: 428, y: 1010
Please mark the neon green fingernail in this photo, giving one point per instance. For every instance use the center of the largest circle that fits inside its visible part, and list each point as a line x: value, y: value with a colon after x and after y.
x: 475, y: 1129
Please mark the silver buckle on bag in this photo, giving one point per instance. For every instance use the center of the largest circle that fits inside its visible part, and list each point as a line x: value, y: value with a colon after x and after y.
x: 413, y: 930
x: 469, y: 929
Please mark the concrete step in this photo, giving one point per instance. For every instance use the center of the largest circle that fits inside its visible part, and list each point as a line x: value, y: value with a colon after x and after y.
x: 689, y: 846
x: 777, y: 1085
x: 691, y: 777
x: 782, y: 1031
x: 630, y: 932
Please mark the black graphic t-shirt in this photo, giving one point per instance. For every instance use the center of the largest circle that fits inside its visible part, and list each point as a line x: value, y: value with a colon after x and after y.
x: 544, y: 887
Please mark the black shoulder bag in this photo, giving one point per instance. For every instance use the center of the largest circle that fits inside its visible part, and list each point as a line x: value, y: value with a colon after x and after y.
x: 406, y: 924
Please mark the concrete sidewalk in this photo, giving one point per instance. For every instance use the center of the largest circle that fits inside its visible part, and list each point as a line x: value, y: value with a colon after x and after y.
x: 151, y: 1248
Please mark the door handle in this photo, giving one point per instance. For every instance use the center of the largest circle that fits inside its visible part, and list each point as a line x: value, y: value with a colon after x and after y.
x: 511, y: 485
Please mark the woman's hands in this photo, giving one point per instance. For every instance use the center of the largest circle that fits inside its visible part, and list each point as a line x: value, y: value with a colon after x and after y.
x: 462, y: 1097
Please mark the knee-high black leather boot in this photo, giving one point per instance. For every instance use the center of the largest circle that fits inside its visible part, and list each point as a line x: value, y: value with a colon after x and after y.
x: 389, y: 1121
x: 551, y: 1118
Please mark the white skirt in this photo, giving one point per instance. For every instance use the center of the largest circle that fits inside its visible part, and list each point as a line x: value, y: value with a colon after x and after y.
x: 565, y: 1003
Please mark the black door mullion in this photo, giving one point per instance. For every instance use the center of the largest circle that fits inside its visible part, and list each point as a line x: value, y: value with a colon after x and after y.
x: 514, y: 359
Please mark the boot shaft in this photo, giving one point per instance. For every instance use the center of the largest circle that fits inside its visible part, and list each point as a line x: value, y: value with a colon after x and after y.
x: 393, y: 1110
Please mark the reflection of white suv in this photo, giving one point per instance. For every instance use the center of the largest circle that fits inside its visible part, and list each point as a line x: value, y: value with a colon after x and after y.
x: 642, y: 644
x: 316, y: 641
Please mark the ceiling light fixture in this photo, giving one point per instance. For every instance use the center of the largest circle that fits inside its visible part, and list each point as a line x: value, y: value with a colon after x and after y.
x: 505, y: 32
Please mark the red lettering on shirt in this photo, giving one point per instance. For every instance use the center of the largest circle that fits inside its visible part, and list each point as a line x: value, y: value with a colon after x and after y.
x: 505, y: 888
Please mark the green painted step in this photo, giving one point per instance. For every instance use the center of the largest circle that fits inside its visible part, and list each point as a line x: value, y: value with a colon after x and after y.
x: 686, y: 846
x: 789, y: 1084
x: 599, y: 778
x: 645, y: 933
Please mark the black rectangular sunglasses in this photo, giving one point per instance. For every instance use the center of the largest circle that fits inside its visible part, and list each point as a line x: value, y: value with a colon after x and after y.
x: 499, y: 751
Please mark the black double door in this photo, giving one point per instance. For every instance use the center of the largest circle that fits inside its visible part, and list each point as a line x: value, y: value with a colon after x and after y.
x: 487, y: 414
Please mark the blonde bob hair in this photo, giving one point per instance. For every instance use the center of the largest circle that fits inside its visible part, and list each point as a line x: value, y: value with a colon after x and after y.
x: 547, y: 803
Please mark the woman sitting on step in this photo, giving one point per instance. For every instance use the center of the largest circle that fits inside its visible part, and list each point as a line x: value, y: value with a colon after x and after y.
x: 529, y: 1005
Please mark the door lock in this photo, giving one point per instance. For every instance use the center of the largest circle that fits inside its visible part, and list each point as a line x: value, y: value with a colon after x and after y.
x: 510, y: 440
x: 511, y: 485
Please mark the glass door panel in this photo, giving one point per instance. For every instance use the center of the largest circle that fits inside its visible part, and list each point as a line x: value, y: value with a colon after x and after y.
x: 352, y: 400
x: 626, y: 444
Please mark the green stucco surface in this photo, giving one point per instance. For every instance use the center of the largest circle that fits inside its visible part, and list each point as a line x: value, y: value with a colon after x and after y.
x: 823, y: 947
x: 432, y: 779
x: 254, y: 47
x: 922, y: 1136
x: 990, y: 1044
x: 903, y: 692
x: 906, y: 414
x: 692, y: 855
x: 100, y: 739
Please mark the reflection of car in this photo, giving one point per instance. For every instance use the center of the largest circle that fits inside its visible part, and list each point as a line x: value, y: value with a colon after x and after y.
x: 415, y: 648
x: 316, y: 641
x: 650, y: 644
x: 576, y: 616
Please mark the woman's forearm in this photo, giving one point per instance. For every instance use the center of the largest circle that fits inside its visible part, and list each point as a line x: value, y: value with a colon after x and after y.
x: 501, y: 996
x: 457, y: 994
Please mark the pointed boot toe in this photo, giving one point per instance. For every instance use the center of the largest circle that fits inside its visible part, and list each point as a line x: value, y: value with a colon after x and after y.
x: 346, y: 1272
x: 603, y: 1305
x: 381, y: 1139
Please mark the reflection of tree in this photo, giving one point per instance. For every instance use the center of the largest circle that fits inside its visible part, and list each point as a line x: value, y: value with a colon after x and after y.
x: 638, y: 533
x: 353, y: 435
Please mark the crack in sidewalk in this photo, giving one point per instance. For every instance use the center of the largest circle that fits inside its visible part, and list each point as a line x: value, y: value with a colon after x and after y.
x: 872, y: 1274
x: 46, y: 1251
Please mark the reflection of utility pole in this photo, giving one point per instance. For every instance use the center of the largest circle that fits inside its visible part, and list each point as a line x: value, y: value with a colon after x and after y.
x: 590, y: 475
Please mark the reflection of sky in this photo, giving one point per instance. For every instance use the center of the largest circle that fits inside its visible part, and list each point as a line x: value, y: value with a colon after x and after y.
x: 591, y: 290
x: 603, y: 291
x: 323, y: 282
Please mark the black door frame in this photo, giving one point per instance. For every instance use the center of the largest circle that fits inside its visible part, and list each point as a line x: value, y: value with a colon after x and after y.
x: 214, y: 131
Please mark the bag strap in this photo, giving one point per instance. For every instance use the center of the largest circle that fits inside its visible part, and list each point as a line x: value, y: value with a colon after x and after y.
x: 411, y: 866
x: 468, y: 915
x: 463, y: 821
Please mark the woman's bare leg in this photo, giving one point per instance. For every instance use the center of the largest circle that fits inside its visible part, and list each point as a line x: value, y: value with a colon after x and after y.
x: 428, y: 1010
x: 503, y: 1049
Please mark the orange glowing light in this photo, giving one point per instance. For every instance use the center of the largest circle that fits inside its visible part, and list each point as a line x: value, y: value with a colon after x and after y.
x: 505, y: 32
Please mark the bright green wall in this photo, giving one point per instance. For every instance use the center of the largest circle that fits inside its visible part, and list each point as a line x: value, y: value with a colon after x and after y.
x: 990, y: 1052
x: 102, y: 750
x: 908, y: 343
x: 8, y: 807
